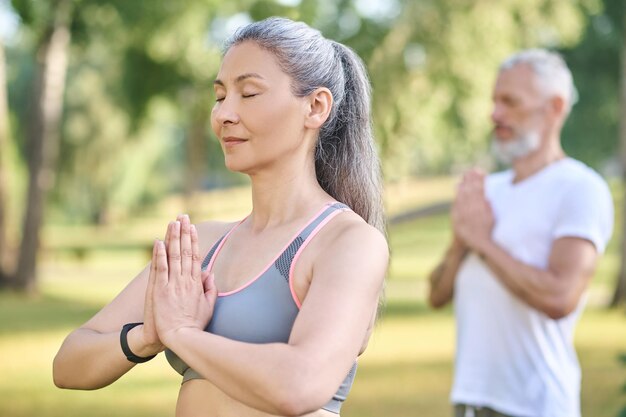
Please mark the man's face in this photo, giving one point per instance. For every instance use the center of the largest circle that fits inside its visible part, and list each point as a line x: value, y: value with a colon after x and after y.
x: 519, y: 113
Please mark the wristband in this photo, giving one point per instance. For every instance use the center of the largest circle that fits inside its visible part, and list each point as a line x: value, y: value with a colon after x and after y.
x: 126, y: 349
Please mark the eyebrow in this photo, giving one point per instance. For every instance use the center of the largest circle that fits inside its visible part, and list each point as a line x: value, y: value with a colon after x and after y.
x: 240, y: 78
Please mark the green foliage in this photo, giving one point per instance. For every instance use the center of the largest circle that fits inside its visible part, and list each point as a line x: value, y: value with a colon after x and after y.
x: 591, y: 132
x: 139, y: 84
x: 433, y: 73
x: 145, y: 78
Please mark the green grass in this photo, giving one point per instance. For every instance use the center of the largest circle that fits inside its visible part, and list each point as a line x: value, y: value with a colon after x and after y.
x: 406, y: 370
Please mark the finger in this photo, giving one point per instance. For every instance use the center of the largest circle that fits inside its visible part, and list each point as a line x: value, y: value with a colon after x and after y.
x: 480, y: 173
x: 210, y: 289
x: 173, y: 250
x: 167, y: 235
x: 196, y: 267
x: 472, y: 179
x: 464, y: 193
x: 475, y: 187
x: 161, y: 270
x: 185, y: 246
x: 477, y: 173
x: 153, y: 264
x: 151, y: 276
x: 472, y: 173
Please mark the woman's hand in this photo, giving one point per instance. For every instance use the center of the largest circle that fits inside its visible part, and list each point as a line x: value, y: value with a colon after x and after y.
x: 150, y: 336
x: 182, y: 295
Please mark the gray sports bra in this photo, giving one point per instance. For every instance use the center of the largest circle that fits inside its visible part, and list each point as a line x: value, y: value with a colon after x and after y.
x: 264, y: 309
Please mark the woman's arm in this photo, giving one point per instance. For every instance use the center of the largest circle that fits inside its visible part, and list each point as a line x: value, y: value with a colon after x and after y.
x: 303, y: 374
x: 91, y: 356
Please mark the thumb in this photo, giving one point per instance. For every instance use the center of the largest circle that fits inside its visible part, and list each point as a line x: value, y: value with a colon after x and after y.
x: 208, y: 283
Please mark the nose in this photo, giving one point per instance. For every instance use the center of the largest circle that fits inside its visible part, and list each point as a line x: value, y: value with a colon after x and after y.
x: 496, y: 113
x: 225, y: 112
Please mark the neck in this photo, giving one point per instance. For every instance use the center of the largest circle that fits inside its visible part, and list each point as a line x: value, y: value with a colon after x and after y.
x: 283, y: 194
x: 550, y: 151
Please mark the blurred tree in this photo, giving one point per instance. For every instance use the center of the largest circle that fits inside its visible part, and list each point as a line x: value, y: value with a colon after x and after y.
x: 432, y: 65
x: 433, y: 74
x: 104, y: 129
x: 4, y: 183
x: 138, y: 59
x: 51, y: 21
x: 106, y: 137
x: 139, y: 87
x: 595, y: 64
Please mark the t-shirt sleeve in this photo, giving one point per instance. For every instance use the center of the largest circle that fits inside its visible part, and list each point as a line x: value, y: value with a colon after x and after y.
x: 586, y: 211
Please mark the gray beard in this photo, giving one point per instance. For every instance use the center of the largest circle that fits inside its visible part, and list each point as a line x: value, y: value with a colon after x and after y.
x: 509, y: 151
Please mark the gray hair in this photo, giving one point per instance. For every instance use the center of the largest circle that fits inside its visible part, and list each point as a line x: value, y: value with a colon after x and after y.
x: 551, y: 71
x: 346, y: 161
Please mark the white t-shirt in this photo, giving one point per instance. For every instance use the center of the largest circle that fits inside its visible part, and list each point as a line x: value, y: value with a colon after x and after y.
x: 511, y: 357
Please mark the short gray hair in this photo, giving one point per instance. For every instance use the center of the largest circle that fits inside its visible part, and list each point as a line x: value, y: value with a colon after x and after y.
x: 551, y: 71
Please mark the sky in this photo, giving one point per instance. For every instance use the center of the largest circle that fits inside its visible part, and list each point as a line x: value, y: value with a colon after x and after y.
x: 9, y: 22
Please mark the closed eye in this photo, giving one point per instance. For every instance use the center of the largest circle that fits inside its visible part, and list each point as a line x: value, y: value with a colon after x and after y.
x: 219, y: 99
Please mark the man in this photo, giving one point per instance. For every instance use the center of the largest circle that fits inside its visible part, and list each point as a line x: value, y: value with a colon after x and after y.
x: 525, y: 245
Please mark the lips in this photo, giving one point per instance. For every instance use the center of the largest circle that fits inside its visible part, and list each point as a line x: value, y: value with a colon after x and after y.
x: 501, y: 130
x: 233, y: 140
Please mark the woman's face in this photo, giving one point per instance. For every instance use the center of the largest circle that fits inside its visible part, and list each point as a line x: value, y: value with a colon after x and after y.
x: 256, y: 117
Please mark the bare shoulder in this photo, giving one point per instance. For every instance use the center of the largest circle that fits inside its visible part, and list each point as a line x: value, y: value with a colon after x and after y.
x: 355, y: 240
x: 352, y: 231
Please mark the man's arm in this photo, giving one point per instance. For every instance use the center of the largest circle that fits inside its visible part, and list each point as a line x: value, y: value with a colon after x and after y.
x: 554, y: 291
x: 441, y: 279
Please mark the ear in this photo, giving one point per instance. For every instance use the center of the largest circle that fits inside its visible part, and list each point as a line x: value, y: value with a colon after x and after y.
x: 319, y: 104
x: 557, y: 104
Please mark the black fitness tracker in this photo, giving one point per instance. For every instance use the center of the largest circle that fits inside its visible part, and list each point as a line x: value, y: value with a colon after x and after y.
x: 124, y: 343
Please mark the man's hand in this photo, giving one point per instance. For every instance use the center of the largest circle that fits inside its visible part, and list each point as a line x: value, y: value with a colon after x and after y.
x: 472, y: 218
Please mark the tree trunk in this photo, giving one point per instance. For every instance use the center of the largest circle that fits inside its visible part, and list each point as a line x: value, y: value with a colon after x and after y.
x: 619, y: 296
x: 44, y: 136
x: 4, y: 143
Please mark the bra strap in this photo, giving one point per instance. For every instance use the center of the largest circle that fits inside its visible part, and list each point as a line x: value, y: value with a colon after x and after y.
x: 283, y: 263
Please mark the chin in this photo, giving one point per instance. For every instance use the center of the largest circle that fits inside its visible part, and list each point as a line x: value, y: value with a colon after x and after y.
x: 232, y: 164
x: 232, y: 167
x: 504, y: 139
x: 239, y: 166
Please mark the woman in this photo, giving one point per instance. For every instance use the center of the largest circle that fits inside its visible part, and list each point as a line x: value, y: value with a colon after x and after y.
x: 298, y: 279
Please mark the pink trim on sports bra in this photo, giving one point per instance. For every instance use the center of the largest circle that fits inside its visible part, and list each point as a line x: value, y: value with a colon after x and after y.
x: 219, y: 247
x: 301, y: 248
x: 264, y: 270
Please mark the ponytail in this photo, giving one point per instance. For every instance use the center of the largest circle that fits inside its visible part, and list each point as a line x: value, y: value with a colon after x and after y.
x: 346, y: 160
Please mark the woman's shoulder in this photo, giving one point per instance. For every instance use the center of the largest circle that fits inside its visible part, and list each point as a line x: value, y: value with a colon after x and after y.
x: 351, y: 234
x: 349, y: 247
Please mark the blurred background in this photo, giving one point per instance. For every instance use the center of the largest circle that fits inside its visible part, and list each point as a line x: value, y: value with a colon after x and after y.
x: 105, y: 137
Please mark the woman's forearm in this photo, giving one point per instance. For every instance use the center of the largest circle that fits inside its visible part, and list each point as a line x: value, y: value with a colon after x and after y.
x: 90, y: 360
x: 276, y: 378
